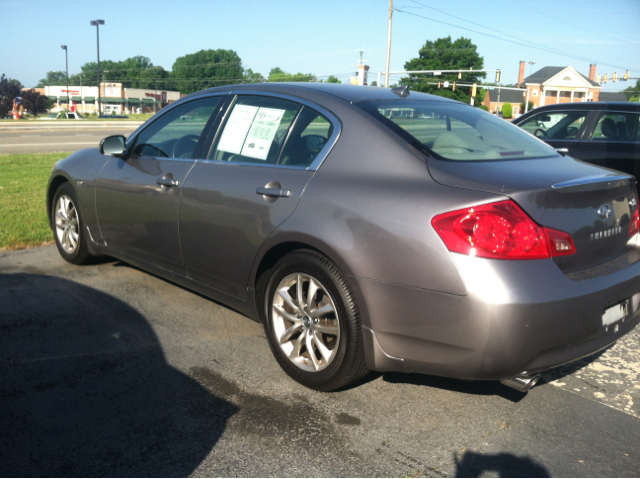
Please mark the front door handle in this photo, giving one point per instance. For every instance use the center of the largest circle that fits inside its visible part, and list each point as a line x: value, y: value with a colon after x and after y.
x: 167, y: 182
x: 273, y: 192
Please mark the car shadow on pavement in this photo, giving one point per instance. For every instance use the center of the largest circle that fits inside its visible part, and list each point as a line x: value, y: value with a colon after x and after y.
x: 85, y: 389
x: 473, y: 464
x: 479, y: 388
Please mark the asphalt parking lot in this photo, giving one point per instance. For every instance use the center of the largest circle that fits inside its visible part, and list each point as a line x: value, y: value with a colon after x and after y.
x: 109, y: 371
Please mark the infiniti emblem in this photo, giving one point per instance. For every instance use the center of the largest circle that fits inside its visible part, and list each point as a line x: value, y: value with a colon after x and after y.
x: 604, y: 211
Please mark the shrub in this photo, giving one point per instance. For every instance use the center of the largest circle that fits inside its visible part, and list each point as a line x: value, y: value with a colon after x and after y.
x: 507, y: 110
x: 522, y: 105
x: 484, y: 107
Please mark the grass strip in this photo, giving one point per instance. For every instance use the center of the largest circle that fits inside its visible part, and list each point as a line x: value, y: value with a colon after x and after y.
x: 23, y: 186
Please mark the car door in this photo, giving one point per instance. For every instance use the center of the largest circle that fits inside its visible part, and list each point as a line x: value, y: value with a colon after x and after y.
x: 138, y: 196
x: 265, y: 152
x: 560, y: 129
x: 613, y: 142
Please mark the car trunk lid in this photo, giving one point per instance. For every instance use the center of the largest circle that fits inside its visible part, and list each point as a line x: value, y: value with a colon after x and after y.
x: 592, y: 204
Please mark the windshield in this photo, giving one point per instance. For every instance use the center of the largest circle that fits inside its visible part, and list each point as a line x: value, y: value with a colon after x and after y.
x: 454, y: 131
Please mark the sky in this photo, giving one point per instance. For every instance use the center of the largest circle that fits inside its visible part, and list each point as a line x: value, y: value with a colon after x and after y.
x: 322, y: 37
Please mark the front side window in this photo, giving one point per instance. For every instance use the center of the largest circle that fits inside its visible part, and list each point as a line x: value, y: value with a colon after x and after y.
x: 267, y: 130
x: 617, y: 126
x: 561, y: 125
x: 457, y: 132
x: 171, y: 136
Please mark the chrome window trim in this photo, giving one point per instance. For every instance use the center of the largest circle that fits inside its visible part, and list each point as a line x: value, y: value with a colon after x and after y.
x: 315, y: 164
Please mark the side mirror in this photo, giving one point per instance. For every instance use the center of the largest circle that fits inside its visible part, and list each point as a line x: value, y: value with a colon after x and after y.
x: 113, y: 145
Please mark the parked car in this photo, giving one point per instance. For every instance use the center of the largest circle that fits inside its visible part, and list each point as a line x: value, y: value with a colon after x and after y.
x: 602, y: 133
x: 64, y: 115
x: 367, y: 228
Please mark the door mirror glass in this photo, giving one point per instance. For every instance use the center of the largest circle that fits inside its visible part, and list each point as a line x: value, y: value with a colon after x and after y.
x: 112, y: 145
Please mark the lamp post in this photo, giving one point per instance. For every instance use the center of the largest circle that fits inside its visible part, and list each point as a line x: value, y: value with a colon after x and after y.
x: 66, y: 59
x: 97, y: 24
x: 531, y: 63
x: 104, y: 82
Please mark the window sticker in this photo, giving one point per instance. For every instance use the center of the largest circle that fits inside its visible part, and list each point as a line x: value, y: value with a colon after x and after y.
x: 262, y: 132
x: 237, y: 128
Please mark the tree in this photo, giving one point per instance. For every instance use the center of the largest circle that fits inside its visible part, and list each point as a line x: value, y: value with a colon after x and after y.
x: 522, y: 106
x: 134, y: 72
x: 53, y: 79
x: 443, y: 54
x: 277, y: 74
x: 206, y: 68
x: 251, y: 77
x: 633, y: 92
x: 8, y: 91
x: 507, y: 110
x: 34, y: 102
x: 333, y: 79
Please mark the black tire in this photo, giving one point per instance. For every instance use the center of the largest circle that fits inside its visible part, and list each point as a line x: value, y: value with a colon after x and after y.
x: 347, y: 363
x: 78, y: 254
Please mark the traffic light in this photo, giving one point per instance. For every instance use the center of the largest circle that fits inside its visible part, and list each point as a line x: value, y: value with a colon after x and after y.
x: 598, y: 79
x: 453, y: 88
x: 459, y: 75
x: 626, y: 76
x: 605, y: 77
x: 498, y: 76
x: 615, y: 76
x: 474, y: 89
x: 439, y: 85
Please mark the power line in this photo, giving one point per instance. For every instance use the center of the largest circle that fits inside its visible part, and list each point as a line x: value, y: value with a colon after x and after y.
x: 537, y: 46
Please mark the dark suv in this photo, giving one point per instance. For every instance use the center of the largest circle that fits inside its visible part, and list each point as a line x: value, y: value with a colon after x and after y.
x: 602, y: 133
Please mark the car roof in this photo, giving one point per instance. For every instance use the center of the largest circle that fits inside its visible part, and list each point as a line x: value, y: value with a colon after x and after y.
x: 350, y: 93
x: 592, y: 105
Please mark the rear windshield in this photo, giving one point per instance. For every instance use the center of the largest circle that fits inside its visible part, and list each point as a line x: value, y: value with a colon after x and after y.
x: 454, y: 131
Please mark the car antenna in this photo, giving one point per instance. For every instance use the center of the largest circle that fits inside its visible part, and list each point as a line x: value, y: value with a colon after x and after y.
x: 401, y: 91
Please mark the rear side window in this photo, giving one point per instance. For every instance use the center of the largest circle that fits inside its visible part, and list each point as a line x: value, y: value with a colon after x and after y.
x: 458, y: 132
x: 555, y: 125
x: 267, y: 130
x: 616, y: 126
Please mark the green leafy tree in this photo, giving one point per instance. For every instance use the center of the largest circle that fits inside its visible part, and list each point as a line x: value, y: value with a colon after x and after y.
x: 251, y: 77
x: 332, y: 79
x: 507, y: 110
x: 522, y: 106
x: 8, y: 91
x: 444, y: 54
x: 134, y: 72
x: 277, y: 74
x: 34, y: 102
x: 633, y: 92
x: 53, y: 79
x: 206, y: 68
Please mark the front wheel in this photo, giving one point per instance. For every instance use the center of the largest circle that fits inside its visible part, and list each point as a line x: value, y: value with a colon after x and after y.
x: 69, y: 227
x: 312, y: 322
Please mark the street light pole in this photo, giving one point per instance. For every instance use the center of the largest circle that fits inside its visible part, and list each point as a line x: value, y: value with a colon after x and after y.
x: 531, y: 66
x: 66, y: 59
x: 97, y: 24
x: 386, y: 76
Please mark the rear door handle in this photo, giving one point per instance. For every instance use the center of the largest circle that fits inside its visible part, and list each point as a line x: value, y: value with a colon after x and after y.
x: 273, y: 192
x: 167, y: 182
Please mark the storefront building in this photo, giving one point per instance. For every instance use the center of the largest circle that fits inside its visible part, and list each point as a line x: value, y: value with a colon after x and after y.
x: 113, y: 98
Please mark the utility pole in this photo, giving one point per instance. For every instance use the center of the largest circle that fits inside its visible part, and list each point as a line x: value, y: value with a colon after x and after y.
x: 66, y: 59
x: 386, y: 76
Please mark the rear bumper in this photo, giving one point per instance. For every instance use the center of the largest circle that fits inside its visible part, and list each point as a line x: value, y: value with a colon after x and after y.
x: 517, y: 316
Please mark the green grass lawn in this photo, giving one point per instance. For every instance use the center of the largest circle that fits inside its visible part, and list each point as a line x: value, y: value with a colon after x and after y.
x: 23, y: 186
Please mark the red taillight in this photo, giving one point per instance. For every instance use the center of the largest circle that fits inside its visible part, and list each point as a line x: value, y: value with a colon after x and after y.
x: 634, y: 226
x: 500, y: 230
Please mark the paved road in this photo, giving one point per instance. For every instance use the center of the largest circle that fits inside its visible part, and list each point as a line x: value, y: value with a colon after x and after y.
x: 108, y: 371
x: 42, y: 137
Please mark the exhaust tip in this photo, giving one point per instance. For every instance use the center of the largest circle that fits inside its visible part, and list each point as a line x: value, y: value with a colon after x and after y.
x: 522, y: 383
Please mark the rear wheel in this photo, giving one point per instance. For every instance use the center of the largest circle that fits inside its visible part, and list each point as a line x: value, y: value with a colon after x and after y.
x: 312, y: 322
x: 69, y: 227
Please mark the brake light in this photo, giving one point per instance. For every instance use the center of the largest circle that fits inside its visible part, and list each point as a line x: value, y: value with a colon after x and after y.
x: 500, y: 230
x: 634, y: 226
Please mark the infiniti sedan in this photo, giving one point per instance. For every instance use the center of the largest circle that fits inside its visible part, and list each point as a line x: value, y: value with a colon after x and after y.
x: 367, y: 228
